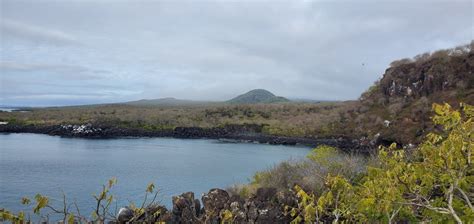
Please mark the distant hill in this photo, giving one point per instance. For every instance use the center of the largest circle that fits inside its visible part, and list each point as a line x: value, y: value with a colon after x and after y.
x: 257, y: 96
x: 251, y: 97
x: 168, y: 101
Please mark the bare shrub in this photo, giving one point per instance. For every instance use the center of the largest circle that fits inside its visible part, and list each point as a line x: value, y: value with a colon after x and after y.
x: 311, y: 173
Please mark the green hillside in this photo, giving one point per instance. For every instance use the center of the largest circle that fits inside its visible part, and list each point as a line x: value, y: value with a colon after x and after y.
x: 257, y: 96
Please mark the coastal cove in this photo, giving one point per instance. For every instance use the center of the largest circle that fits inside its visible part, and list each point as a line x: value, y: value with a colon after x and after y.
x: 248, y: 133
x: 37, y: 163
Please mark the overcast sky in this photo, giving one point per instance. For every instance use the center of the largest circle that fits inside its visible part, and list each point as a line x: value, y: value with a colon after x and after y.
x: 93, y: 51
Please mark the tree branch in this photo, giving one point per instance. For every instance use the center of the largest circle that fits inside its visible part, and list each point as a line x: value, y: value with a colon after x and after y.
x: 466, y: 198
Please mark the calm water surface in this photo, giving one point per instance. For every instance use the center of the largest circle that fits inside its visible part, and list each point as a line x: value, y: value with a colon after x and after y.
x: 32, y: 163
x: 7, y: 109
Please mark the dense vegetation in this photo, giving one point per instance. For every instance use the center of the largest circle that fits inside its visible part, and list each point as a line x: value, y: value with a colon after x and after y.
x: 432, y: 183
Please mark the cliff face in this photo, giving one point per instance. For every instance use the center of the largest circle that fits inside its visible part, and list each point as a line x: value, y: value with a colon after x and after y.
x: 398, y: 107
x: 447, y: 77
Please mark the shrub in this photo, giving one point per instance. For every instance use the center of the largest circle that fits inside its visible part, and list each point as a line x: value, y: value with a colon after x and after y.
x: 311, y: 173
x: 433, y: 184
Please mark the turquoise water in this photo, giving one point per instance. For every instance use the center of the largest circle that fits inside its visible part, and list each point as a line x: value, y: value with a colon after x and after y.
x: 33, y: 163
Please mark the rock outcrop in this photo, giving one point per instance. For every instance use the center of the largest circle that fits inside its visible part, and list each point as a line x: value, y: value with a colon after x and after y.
x: 266, y: 206
x: 398, y: 107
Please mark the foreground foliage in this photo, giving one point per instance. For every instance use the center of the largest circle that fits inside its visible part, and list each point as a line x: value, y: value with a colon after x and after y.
x: 70, y: 212
x: 433, y: 183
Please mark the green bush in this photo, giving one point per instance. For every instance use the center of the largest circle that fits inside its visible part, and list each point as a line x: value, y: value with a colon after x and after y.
x: 435, y: 184
x: 310, y: 173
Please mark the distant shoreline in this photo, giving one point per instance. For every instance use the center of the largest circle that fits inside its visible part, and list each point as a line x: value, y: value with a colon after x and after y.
x: 233, y: 134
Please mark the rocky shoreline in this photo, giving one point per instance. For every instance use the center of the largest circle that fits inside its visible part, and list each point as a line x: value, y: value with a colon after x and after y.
x: 228, y: 133
x: 218, y: 206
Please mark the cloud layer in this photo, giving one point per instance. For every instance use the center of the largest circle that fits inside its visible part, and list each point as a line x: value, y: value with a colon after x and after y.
x: 74, y: 52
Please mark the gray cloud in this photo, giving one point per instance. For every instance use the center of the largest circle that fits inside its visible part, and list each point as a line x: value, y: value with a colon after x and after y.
x: 68, y: 72
x: 36, y: 34
x: 213, y: 50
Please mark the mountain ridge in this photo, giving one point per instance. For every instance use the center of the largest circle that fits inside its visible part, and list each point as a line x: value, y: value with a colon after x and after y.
x: 166, y: 101
x: 251, y: 97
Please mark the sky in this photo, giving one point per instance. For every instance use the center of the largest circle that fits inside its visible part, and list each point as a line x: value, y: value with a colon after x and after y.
x: 73, y: 52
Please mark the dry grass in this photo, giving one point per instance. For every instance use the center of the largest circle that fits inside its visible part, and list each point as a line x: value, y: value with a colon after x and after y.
x: 310, y: 173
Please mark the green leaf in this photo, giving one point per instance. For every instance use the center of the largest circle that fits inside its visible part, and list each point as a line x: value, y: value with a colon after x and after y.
x: 112, y: 182
x: 25, y: 201
x: 150, y: 188
x: 70, y: 219
x: 41, y: 202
